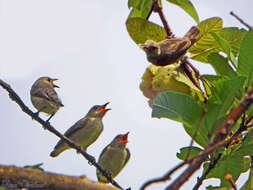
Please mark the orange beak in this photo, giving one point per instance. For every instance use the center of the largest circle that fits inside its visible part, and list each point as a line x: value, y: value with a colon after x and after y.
x: 123, y: 139
x: 54, y: 85
x: 103, y: 108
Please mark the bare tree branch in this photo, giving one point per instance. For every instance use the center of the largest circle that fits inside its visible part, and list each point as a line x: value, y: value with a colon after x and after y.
x: 14, y: 177
x: 241, y: 21
x: 156, y: 7
x: 14, y: 96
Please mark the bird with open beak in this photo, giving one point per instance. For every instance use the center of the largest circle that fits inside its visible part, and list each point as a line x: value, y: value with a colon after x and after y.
x: 85, y: 131
x: 44, y: 97
x: 114, y: 157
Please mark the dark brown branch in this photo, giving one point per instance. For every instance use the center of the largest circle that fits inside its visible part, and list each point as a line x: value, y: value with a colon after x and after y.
x: 158, y: 8
x: 203, y: 177
x: 14, y: 96
x: 13, y: 178
x: 241, y: 21
x: 229, y: 178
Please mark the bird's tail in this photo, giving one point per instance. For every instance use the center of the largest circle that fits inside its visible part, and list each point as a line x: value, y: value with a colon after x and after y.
x: 54, y: 153
x: 59, y: 148
x: 193, y: 33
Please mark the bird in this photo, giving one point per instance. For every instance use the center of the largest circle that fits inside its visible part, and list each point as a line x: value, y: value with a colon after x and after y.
x: 114, y: 157
x: 44, y: 97
x: 170, y: 50
x: 85, y: 131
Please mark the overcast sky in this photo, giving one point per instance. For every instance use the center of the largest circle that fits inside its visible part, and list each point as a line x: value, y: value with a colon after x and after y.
x: 86, y: 46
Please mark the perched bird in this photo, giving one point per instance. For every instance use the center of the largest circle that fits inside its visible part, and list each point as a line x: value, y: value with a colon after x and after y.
x: 43, y: 96
x: 170, y: 50
x: 85, y: 131
x: 114, y: 157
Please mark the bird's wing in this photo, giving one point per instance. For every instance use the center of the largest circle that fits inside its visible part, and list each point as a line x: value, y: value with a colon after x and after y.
x: 77, y: 126
x: 48, y: 94
x: 127, y: 158
x: 52, y: 95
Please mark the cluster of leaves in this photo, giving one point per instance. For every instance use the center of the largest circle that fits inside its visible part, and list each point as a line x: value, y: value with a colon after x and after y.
x: 229, y: 51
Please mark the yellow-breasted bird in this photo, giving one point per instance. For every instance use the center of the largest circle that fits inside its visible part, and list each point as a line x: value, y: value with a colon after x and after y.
x: 85, y: 131
x: 43, y: 96
x: 114, y: 157
x: 170, y: 50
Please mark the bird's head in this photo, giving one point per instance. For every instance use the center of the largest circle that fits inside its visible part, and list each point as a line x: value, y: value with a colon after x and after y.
x: 151, y: 48
x: 98, y: 110
x: 120, y: 140
x: 49, y: 81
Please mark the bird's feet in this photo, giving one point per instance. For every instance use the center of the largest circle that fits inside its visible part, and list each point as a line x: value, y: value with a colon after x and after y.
x: 36, y: 115
x: 91, y: 159
x: 108, y: 173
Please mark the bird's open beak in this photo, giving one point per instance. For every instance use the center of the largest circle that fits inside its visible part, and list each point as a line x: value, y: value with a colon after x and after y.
x: 103, y: 108
x: 54, y: 85
x: 123, y: 139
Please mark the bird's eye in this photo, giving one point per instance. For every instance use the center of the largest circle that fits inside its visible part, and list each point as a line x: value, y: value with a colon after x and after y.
x: 48, y: 79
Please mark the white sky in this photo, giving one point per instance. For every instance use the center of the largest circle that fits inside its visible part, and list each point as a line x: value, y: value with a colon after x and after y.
x: 85, y: 44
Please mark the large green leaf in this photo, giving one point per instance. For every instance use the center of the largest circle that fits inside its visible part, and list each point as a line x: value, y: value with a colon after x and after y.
x: 205, y: 42
x: 194, y: 151
x: 141, y: 8
x: 177, y: 106
x: 142, y: 30
x: 221, y: 65
x: 245, y: 60
x: 188, y: 7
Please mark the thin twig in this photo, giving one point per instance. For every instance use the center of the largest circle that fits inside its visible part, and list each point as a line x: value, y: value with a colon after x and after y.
x: 203, y: 177
x: 229, y: 178
x: 158, y: 8
x: 241, y: 21
x: 14, y: 96
x: 151, y: 10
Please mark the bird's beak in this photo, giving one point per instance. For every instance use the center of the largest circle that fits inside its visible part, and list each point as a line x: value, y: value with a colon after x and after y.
x: 123, y: 139
x: 54, y: 85
x: 144, y: 47
x: 103, y: 108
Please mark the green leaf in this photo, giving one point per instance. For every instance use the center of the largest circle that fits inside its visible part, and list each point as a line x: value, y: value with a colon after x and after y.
x: 205, y: 42
x: 245, y: 60
x: 246, y: 147
x: 220, y: 102
x: 177, y: 106
x: 184, y: 151
x: 188, y: 7
x: 233, y: 165
x: 220, y: 65
x: 225, y: 47
x: 234, y: 37
x: 141, y: 30
x: 141, y: 8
